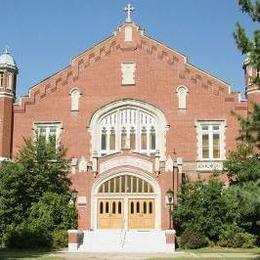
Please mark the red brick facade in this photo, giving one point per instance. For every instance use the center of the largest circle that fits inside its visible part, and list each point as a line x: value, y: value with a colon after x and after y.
x: 97, y: 74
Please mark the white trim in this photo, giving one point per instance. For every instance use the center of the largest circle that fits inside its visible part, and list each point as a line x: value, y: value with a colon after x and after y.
x: 253, y: 90
x: 121, y: 161
x: 124, y: 171
x: 7, y: 95
x: 182, y: 96
x: 156, y: 113
x: 47, y: 124
x: 222, y: 126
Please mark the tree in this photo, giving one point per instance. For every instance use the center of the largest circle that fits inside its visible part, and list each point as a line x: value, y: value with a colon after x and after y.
x: 32, y: 188
x: 205, y: 208
x: 46, y: 165
x: 243, y: 169
x: 244, y: 43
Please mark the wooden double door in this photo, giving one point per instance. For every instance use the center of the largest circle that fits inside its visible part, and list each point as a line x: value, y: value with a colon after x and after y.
x: 126, y: 213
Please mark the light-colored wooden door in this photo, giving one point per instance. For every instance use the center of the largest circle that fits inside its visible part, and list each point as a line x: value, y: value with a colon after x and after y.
x: 141, y: 213
x: 110, y: 213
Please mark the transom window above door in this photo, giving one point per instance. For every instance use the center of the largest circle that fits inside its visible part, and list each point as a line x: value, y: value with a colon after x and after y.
x: 126, y: 184
x: 128, y: 128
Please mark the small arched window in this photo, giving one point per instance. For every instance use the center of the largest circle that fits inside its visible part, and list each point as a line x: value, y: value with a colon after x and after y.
x: 75, y: 95
x: 104, y: 139
x: 182, y: 97
x: 123, y: 138
x: 152, y: 139
x: 144, y: 139
x: 112, y: 141
x: 132, y: 138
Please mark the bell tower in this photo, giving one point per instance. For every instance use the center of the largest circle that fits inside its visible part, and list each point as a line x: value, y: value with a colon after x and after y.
x: 252, y: 89
x: 8, y: 75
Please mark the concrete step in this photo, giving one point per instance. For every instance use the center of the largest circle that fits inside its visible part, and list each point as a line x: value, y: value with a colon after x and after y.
x: 125, y: 241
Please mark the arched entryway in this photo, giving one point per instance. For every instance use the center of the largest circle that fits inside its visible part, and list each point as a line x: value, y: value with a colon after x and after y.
x: 126, y: 200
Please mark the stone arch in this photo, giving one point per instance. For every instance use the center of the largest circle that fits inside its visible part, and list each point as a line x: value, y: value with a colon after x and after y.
x: 120, y: 172
x: 150, y: 110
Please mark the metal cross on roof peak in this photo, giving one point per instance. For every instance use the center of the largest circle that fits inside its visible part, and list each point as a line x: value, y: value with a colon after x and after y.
x: 129, y: 9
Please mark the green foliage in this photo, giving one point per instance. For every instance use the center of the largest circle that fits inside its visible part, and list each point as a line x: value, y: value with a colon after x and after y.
x: 191, y: 239
x: 250, y: 129
x: 46, y: 165
x: 234, y: 237
x: 252, y: 8
x: 14, y: 195
x: 244, y: 43
x: 24, y: 236
x: 242, y: 166
x: 53, y: 212
x: 59, y: 238
x: 35, y: 195
x: 243, y: 170
x: 206, y: 208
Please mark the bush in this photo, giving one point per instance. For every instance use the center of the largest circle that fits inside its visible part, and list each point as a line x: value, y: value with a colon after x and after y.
x: 24, y: 236
x: 59, y: 238
x: 192, y: 239
x: 53, y: 212
x: 235, y: 237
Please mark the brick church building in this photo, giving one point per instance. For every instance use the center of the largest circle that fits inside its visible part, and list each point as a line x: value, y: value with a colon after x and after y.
x: 136, y: 118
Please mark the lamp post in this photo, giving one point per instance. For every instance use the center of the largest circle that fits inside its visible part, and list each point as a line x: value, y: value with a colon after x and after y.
x: 74, y: 195
x: 170, y: 197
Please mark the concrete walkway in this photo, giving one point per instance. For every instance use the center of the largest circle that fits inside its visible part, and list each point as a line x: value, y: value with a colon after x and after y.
x: 180, y: 255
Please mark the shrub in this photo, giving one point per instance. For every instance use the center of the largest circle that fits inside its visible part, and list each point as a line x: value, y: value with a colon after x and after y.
x: 235, y: 237
x: 24, y: 236
x: 59, y: 238
x: 53, y: 212
x: 192, y: 239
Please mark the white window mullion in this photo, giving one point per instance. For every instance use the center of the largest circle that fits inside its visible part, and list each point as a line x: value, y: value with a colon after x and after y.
x: 47, y: 133
x: 210, y: 144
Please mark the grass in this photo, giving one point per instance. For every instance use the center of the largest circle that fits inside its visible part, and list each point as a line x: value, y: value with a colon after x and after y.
x: 255, y: 250
x: 12, y: 254
x: 215, y: 253
x: 202, y: 253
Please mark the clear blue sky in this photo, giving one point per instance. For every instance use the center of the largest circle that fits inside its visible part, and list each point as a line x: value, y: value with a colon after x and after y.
x: 44, y: 35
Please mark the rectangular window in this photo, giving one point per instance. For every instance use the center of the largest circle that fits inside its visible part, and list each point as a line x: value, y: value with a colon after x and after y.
x: 205, y: 146
x: 211, y: 138
x: 216, y: 146
x: 48, y: 130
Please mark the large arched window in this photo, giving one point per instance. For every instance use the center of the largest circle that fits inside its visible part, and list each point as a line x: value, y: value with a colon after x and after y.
x: 128, y: 124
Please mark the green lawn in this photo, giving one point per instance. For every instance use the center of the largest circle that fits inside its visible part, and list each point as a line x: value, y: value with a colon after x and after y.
x: 255, y: 250
x: 215, y: 253
x: 203, y: 253
x: 10, y: 254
